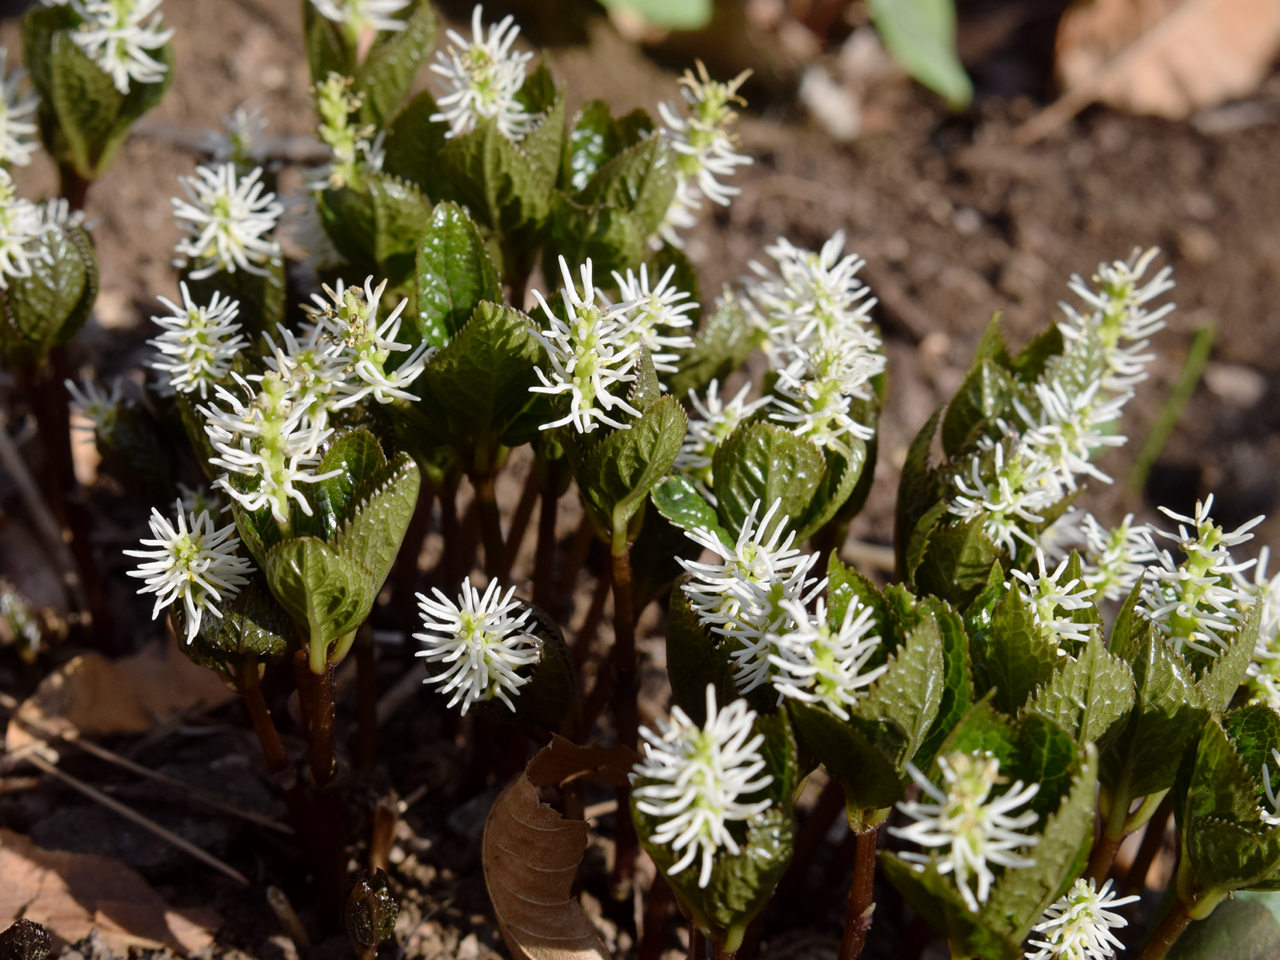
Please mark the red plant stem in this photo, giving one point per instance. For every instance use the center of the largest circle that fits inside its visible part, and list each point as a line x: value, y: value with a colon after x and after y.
x: 495, y: 550
x: 315, y: 694
x: 857, y: 920
x: 626, y: 688
x: 1152, y: 843
x: 1165, y: 935
x: 73, y: 187
x: 366, y: 698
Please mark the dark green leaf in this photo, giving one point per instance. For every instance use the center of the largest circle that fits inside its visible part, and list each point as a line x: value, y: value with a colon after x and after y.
x: 44, y: 310
x: 858, y: 754
x: 1091, y: 695
x: 695, y: 658
x: 592, y: 141
x: 837, y: 484
x: 845, y: 586
x: 328, y: 50
x: 1009, y: 654
x: 495, y: 180
x: 327, y: 594
x: 1224, y: 676
x: 261, y: 295
x: 957, y: 692
x: 371, y: 537
x: 387, y: 72
x: 414, y: 142
x: 763, y: 462
x: 983, y: 394
x: 253, y: 625
x: 359, y: 456
x: 955, y: 557
x: 640, y: 180
x: 454, y: 273
x: 934, y: 897
x: 918, y: 491
x: 677, y: 499
x: 910, y: 690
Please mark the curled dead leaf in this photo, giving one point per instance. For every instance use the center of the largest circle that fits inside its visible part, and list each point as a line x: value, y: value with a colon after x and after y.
x: 93, y: 695
x: 73, y: 893
x: 1166, y: 58
x: 530, y: 855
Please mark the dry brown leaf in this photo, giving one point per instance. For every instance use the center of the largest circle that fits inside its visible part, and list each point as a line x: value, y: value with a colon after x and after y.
x: 1166, y: 58
x: 530, y: 854
x: 93, y: 695
x: 73, y: 893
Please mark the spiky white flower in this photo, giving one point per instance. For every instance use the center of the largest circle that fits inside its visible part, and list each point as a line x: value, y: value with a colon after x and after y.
x: 1052, y: 601
x: 712, y: 422
x: 1271, y: 816
x: 1115, y: 559
x: 655, y: 313
x: 1078, y: 925
x: 17, y: 112
x: 817, y: 663
x: 695, y: 778
x: 20, y: 223
x: 120, y: 36
x: 1069, y: 426
x: 228, y: 220
x: 56, y: 214
x: 1118, y: 322
x: 810, y: 297
x: 90, y: 404
x: 817, y: 390
x: 740, y: 593
x: 357, y: 14
x: 482, y: 77
x: 192, y: 562
x: 241, y: 138
x: 589, y: 353
x: 1006, y: 488
x: 967, y: 828
x: 1264, y: 668
x: 1198, y: 602
x: 264, y: 441
x: 704, y: 146
x: 483, y: 640
x: 198, y: 344
x: 348, y: 316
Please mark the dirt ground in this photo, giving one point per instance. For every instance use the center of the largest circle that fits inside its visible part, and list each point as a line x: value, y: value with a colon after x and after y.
x: 955, y: 223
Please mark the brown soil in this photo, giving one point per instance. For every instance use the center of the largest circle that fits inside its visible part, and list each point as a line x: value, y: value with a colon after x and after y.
x: 955, y: 223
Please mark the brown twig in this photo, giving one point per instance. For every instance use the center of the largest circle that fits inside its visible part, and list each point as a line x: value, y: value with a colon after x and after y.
x: 857, y: 919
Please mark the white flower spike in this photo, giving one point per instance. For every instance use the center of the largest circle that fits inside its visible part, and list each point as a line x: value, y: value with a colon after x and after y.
x: 970, y: 828
x: 482, y: 77
x: 191, y: 562
x: 228, y: 220
x: 379, y: 15
x: 590, y: 354
x: 1052, y: 602
x: 817, y: 663
x: 118, y: 36
x: 89, y: 403
x: 655, y: 314
x: 1078, y: 925
x: 198, y: 343
x: 483, y: 642
x: 20, y: 223
x: 17, y: 117
x: 694, y: 780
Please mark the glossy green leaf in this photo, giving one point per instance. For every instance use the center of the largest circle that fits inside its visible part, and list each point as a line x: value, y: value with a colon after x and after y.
x: 252, y: 625
x: 327, y: 47
x: 492, y: 177
x: 413, y: 143
x: 359, y: 456
x: 839, y: 478
x: 1223, y: 678
x: 957, y: 677
x: 921, y: 35
x: 695, y: 658
x: 326, y: 593
x: 46, y: 308
x: 387, y: 72
x: 846, y: 585
x: 918, y: 491
x: 677, y: 499
x: 764, y: 462
x: 454, y: 273
x: 858, y: 754
x: 1009, y: 654
x: 379, y: 520
x: 640, y: 180
x: 1090, y: 696
x: 909, y: 692
x: 954, y: 557
x: 592, y: 141
x: 477, y: 385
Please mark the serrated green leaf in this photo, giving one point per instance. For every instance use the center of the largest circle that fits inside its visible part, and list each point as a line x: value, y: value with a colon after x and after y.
x: 326, y: 593
x: 87, y: 118
x: 677, y: 499
x: 910, y: 690
x: 640, y: 180
x: 612, y: 239
x: 845, y: 586
x: 1044, y: 754
x: 1220, y: 786
x: 1168, y: 713
x: 921, y: 35
x: 722, y: 346
x: 1254, y: 732
x: 1090, y: 696
x: 399, y: 210
x: 477, y: 385
x: 1223, y: 678
x: 982, y: 730
x: 857, y: 753
x: 1020, y: 897
x: 645, y: 390
x: 1129, y: 628
x: 954, y: 557
x: 359, y: 457
x: 379, y: 520
x: 1226, y: 855
x: 917, y: 491
x: 45, y: 309
x: 984, y: 393
x: 544, y: 146
x: 626, y: 465
x: 252, y: 625
x: 837, y: 484
x: 592, y: 141
x: 1009, y: 654
x: 764, y: 462
x: 454, y: 273
x: 957, y: 678
x: 935, y: 898
x: 1031, y: 361
x: 387, y: 72
x: 494, y: 179
x: 413, y: 143
x: 695, y: 658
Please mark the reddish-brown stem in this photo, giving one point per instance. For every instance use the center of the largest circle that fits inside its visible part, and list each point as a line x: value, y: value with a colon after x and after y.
x: 73, y: 187
x: 857, y: 919
x: 1104, y: 854
x: 625, y: 689
x: 386, y: 814
x: 1152, y: 843
x: 315, y: 694
x: 586, y: 635
x: 1166, y: 934
x: 495, y: 551
x: 366, y: 698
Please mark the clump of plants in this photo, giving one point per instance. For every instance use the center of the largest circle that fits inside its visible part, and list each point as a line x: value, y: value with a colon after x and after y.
x: 491, y: 281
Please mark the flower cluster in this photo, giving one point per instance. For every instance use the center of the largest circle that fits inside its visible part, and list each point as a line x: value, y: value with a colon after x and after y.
x: 969, y: 826
x: 17, y: 112
x: 241, y: 139
x: 818, y: 663
x: 228, y: 220
x: 812, y: 311
x: 705, y: 149
x: 355, y: 148
x: 1052, y: 602
x: 121, y: 36
x: 712, y: 421
x: 482, y: 77
x: 198, y: 343
x: 656, y: 314
x: 21, y: 222
x: 1078, y: 925
x: 378, y: 15
x: 88, y: 403
x: 191, y: 562
x: 483, y: 641
x: 1197, y: 603
x: 1264, y: 668
x: 695, y: 780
